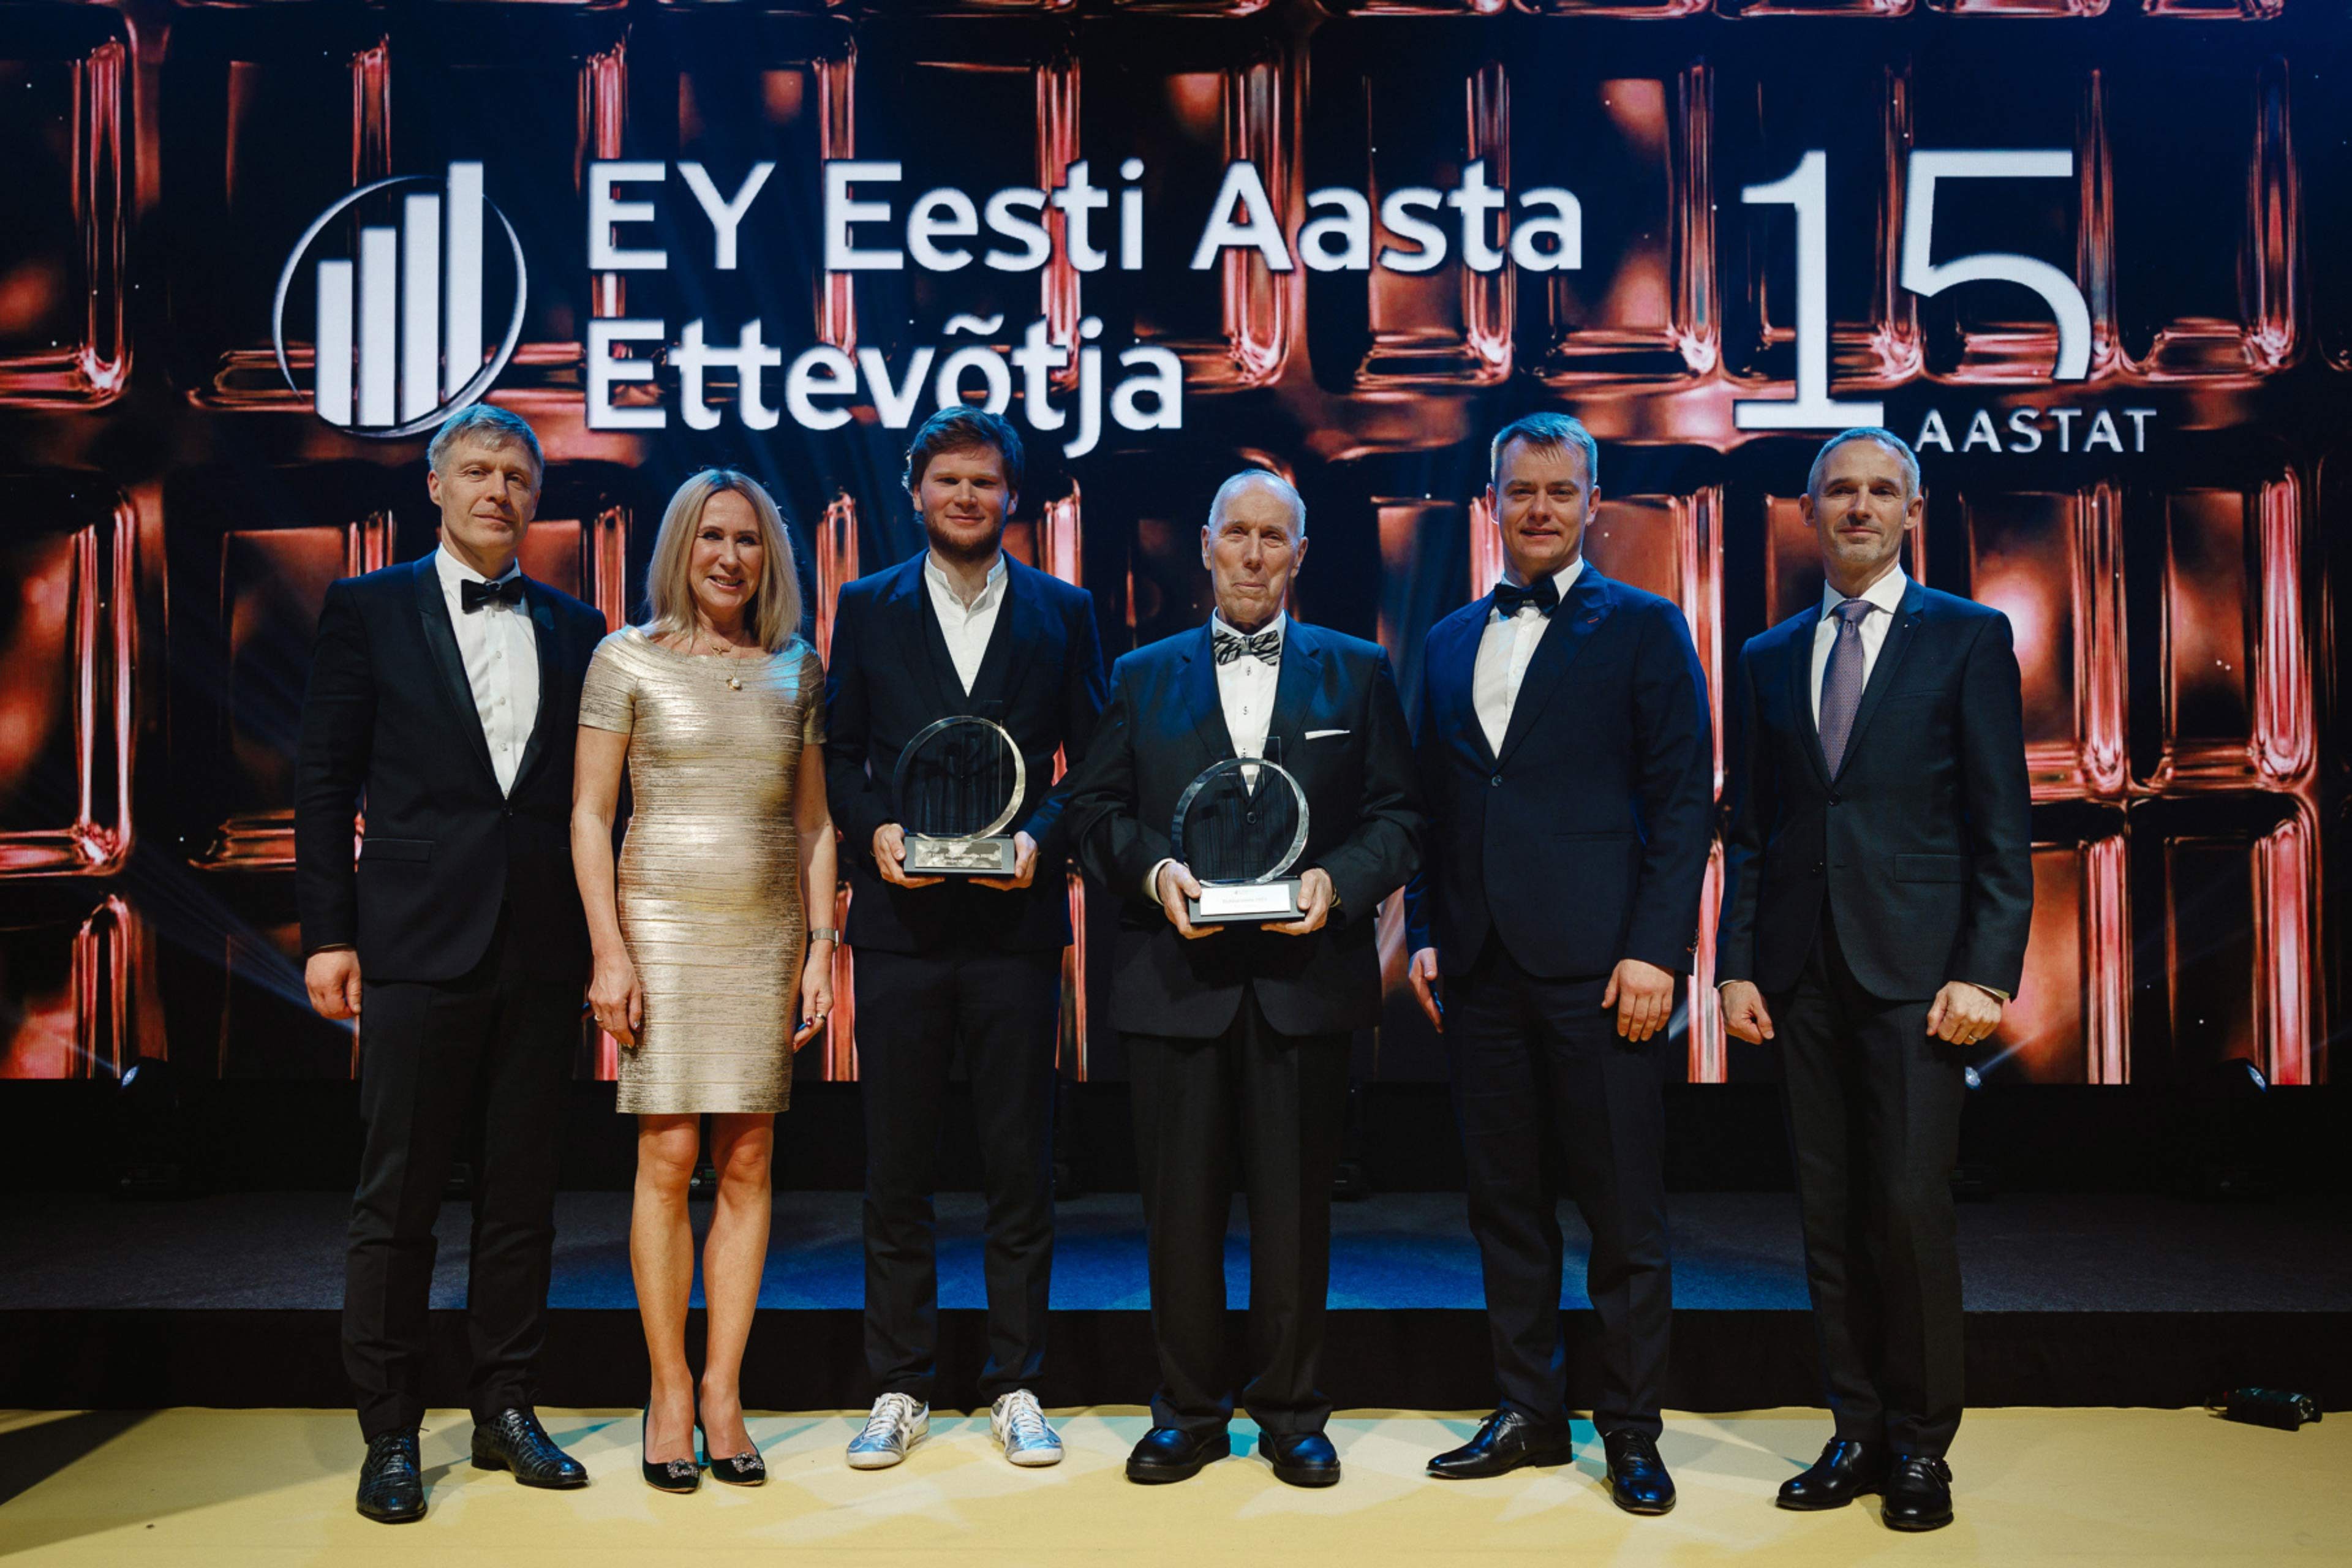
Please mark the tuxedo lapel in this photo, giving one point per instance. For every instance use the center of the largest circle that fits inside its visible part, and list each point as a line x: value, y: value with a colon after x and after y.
x: 441, y: 642
x: 1798, y: 669
x: 1579, y: 614
x: 1197, y: 685
x: 1293, y: 689
x: 542, y: 636
x: 1899, y: 637
x: 1454, y: 668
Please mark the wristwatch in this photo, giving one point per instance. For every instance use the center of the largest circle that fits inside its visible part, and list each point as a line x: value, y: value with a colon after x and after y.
x: 824, y: 934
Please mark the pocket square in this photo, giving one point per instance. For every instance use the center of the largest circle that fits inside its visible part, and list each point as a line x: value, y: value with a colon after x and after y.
x: 1323, y: 734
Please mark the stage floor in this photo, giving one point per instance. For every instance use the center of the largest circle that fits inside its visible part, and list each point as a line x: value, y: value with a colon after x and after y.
x: 196, y: 1488
x: 1732, y: 1252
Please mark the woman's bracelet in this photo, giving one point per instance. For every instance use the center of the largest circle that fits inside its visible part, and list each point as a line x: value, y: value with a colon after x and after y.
x: 824, y: 934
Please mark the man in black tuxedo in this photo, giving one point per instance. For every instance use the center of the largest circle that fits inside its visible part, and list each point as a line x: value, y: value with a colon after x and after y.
x: 446, y: 692
x: 962, y: 628
x: 1253, y: 1020
x: 1567, y: 760
x: 1878, y: 888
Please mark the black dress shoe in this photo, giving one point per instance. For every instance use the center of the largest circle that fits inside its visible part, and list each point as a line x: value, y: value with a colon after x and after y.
x: 1638, y: 1481
x: 1172, y: 1454
x: 1846, y: 1469
x: 1303, y: 1459
x: 744, y: 1470
x: 670, y: 1475
x: 1918, y: 1494
x: 1505, y: 1440
x: 391, y: 1485
x: 514, y: 1440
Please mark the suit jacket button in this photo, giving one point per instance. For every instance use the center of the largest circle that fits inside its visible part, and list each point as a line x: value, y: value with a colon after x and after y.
x: 1836, y: 799
x: 1496, y: 781
x: 1817, y: 867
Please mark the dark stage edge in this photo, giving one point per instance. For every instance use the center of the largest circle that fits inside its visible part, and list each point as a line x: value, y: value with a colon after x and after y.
x: 2091, y: 1300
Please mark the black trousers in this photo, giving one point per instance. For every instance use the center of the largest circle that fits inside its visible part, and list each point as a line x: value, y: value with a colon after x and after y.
x: 1874, y: 1109
x: 426, y: 1051
x: 1288, y: 1094
x: 912, y: 1010
x: 1544, y: 1088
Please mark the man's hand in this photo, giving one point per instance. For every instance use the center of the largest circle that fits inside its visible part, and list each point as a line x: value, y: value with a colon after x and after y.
x: 1024, y: 867
x: 890, y: 858
x: 1963, y: 1013
x: 615, y: 998
x: 1644, y: 995
x: 1314, y: 901
x: 1744, y: 1014
x: 332, y: 978
x: 1423, y: 973
x: 1177, y: 883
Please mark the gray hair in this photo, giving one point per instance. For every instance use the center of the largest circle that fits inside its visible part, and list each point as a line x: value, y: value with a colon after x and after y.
x: 1887, y: 438
x: 1547, y: 433
x: 1271, y: 480
x: 489, y: 427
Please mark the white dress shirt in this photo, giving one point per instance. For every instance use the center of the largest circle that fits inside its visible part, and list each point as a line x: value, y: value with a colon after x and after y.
x: 1886, y: 595
x: 1505, y: 649
x: 501, y: 655
x: 967, y: 628
x: 1245, y: 691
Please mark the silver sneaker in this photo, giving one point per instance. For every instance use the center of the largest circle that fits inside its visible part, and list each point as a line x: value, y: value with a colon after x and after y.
x: 1019, y: 1429
x: 898, y: 1424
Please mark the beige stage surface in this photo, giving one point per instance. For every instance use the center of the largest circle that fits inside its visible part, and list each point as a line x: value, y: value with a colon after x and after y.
x: 194, y: 1487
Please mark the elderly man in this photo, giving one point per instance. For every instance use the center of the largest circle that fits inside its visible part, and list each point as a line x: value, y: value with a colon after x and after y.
x: 446, y: 691
x: 1877, y: 890
x: 1253, y: 1019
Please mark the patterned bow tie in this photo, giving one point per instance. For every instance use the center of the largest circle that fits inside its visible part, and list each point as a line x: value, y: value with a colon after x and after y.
x: 1266, y: 646
x: 472, y: 596
x: 1510, y: 598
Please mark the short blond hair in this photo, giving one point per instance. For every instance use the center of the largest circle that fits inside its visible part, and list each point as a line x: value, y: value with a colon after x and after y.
x: 773, y: 615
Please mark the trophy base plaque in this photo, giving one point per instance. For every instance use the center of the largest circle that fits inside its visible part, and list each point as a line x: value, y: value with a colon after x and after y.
x: 976, y: 857
x: 1234, y: 902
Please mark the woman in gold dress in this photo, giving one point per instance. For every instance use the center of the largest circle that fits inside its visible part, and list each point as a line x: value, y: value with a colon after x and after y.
x: 706, y: 971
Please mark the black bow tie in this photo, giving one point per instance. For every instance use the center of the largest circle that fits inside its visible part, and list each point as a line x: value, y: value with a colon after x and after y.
x: 1266, y: 646
x: 472, y: 596
x: 1543, y: 594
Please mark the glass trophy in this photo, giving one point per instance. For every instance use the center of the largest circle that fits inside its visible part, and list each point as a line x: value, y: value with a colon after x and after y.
x: 1239, y: 828
x: 958, y: 783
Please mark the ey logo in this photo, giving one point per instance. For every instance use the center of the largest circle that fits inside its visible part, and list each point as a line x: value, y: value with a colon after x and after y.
x: 398, y: 346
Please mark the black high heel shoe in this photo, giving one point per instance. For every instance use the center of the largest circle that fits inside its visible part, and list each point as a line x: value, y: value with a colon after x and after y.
x: 735, y: 1469
x: 670, y: 1475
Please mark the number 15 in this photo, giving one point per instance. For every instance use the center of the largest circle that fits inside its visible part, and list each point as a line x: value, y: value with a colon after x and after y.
x: 1807, y: 190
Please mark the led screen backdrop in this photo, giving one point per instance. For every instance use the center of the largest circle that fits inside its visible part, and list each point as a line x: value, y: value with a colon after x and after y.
x: 2088, y: 252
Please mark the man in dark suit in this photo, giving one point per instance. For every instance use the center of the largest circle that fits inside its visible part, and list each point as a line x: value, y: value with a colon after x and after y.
x: 446, y: 692
x: 961, y: 628
x: 1568, y: 764
x: 1253, y: 1020
x: 1878, y: 888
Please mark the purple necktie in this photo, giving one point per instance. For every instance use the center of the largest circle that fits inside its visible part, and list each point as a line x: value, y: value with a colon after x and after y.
x: 1842, y: 682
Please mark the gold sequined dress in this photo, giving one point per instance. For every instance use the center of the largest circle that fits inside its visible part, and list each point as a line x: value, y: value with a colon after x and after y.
x: 710, y: 876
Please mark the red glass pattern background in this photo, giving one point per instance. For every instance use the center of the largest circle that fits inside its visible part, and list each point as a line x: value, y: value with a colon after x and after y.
x: 174, y: 513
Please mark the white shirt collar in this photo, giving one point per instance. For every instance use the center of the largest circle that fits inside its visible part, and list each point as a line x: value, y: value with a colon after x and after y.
x: 452, y: 570
x: 1886, y: 593
x: 937, y: 577
x: 1565, y: 578
x: 1279, y: 626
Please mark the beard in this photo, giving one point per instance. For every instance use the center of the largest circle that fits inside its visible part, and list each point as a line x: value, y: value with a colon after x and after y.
x: 948, y: 547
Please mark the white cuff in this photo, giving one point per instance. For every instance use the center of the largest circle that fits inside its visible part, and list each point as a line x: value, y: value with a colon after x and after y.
x: 1151, y: 880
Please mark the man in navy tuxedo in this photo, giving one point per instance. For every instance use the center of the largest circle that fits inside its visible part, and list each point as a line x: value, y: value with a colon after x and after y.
x: 1244, y: 1029
x: 961, y: 628
x: 1566, y: 758
x: 1878, y: 888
